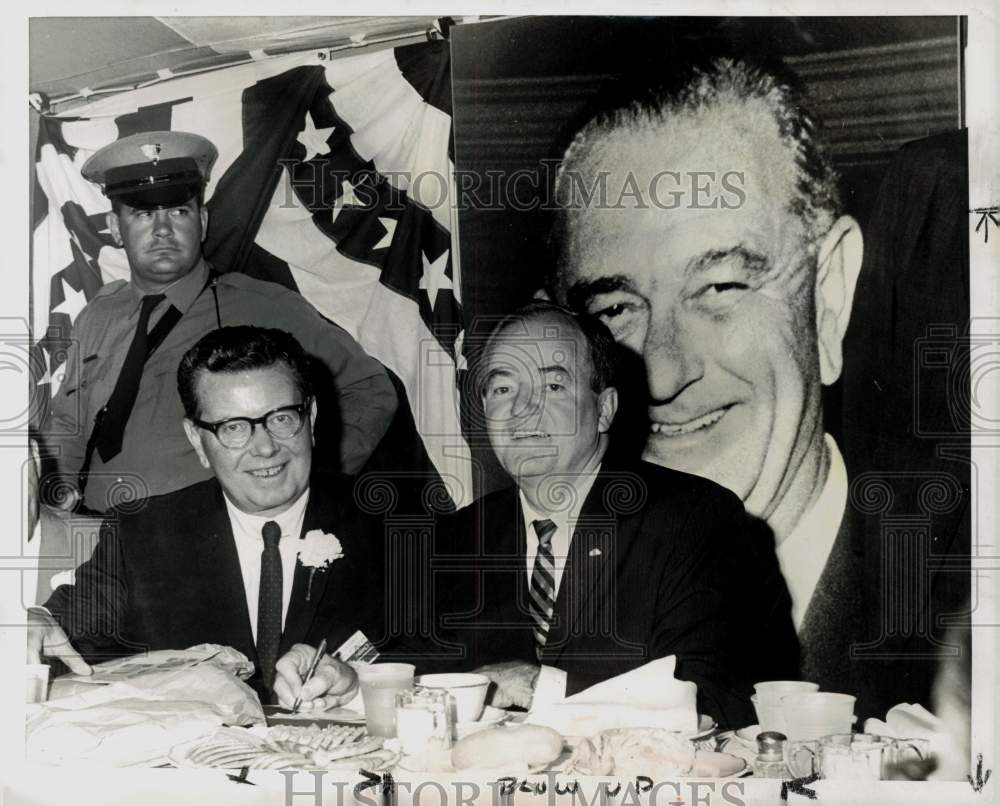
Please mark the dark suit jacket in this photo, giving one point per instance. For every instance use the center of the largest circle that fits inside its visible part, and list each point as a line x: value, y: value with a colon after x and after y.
x: 871, y: 628
x: 167, y: 576
x: 653, y: 570
x: 905, y: 436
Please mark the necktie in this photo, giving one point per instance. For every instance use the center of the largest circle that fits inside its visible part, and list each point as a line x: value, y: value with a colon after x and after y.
x: 119, y: 406
x: 542, y: 597
x: 269, y: 603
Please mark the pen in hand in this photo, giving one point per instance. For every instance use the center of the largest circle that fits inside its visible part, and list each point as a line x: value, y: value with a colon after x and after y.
x: 309, y: 674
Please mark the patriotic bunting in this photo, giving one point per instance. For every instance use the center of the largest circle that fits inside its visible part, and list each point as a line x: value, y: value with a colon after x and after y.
x: 334, y: 178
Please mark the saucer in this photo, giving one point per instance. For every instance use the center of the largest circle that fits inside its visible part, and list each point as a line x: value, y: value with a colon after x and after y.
x: 705, y: 726
x: 490, y: 716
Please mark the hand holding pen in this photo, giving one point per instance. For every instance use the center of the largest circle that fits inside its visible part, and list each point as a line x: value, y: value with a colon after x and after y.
x: 320, y: 650
x: 308, y: 679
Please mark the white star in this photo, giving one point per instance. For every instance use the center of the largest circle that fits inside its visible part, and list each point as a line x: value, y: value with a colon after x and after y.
x: 347, y: 198
x: 390, y: 230
x: 314, y: 139
x: 58, y: 376
x: 434, y: 278
x: 73, y: 301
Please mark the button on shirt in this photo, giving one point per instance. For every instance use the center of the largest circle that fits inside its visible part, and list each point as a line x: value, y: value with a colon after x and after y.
x: 551, y: 683
x: 249, y: 544
x: 156, y: 457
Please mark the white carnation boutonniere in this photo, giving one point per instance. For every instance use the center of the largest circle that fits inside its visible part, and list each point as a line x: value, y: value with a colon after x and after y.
x: 319, y: 550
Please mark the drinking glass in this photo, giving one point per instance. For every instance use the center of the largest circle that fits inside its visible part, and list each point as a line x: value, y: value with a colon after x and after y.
x: 380, y: 682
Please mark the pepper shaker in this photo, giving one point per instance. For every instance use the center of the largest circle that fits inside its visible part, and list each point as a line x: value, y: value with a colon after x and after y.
x: 770, y: 760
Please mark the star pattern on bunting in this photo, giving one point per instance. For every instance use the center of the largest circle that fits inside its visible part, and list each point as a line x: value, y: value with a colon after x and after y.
x: 434, y: 278
x: 313, y: 139
x: 346, y: 198
x: 390, y: 231
x: 73, y: 301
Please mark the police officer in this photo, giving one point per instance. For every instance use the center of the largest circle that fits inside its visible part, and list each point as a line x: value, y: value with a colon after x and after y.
x: 115, y: 424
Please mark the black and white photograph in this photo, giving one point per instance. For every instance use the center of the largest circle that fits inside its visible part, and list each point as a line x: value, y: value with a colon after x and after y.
x: 501, y: 408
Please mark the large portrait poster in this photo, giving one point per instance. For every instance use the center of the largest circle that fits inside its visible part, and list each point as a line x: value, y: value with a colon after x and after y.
x: 788, y: 225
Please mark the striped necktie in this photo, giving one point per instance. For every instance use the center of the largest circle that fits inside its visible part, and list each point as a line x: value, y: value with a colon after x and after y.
x: 269, y: 603
x: 542, y: 597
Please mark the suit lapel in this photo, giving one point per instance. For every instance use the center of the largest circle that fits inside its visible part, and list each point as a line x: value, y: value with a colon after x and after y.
x: 506, y: 581
x: 832, y: 619
x: 231, y: 615
x: 598, y: 542
x: 309, y: 584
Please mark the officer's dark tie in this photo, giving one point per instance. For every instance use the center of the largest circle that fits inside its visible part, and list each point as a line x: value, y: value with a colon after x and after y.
x: 119, y: 406
x: 269, y: 603
x: 543, y: 585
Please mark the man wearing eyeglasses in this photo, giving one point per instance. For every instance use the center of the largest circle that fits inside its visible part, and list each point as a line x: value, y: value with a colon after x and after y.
x: 219, y: 561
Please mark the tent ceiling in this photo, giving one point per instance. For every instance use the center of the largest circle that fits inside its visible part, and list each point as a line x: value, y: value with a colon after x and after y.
x: 70, y: 55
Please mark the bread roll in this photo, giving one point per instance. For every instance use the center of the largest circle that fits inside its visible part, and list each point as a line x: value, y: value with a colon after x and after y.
x: 507, y: 746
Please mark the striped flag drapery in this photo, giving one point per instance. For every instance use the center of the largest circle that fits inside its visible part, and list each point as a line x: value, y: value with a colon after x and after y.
x: 333, y: 178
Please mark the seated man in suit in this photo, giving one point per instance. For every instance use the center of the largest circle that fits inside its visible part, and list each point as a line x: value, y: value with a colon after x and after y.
x: 592, y: 565
x: 248, y: 558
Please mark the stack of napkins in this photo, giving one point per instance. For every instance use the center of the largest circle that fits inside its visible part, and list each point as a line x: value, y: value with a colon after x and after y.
x: 647, y: 697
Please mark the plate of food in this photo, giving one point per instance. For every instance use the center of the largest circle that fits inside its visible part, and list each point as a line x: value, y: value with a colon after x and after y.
x: 333, y: 747
x: 510, y: 747
x: 651, y: 752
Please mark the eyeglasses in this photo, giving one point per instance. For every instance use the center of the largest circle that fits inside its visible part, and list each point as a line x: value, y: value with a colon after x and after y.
x: 281, y: 423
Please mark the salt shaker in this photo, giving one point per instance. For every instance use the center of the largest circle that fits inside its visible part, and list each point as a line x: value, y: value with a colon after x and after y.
x: 770, y: 760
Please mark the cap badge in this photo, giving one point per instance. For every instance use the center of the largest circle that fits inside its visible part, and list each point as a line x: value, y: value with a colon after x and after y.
x: 152, y: 151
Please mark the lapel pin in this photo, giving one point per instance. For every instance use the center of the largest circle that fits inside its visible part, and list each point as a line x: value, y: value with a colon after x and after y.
x: 595, y: 552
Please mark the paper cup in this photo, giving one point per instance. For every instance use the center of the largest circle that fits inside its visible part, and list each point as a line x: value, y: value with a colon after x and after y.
x: 815, y: 714
x: 770, y: 692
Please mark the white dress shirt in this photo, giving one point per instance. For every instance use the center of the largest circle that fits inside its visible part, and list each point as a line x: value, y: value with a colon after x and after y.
x: 803, y: 554
x: 551, y: 683
x: 250, y: 543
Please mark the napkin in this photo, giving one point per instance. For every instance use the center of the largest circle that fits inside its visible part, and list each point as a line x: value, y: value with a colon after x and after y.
x: 908, y: 721
x: 648, y: 697
x: 145, y: 705
x: 913, y: 721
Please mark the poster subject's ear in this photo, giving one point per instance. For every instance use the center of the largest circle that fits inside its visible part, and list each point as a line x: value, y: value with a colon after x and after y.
x: 607, y: 408
x: 838, y: 266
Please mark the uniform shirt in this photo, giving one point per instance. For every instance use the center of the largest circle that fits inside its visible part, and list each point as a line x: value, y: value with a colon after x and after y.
x: 248, y: 536
x: 156, y: 457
